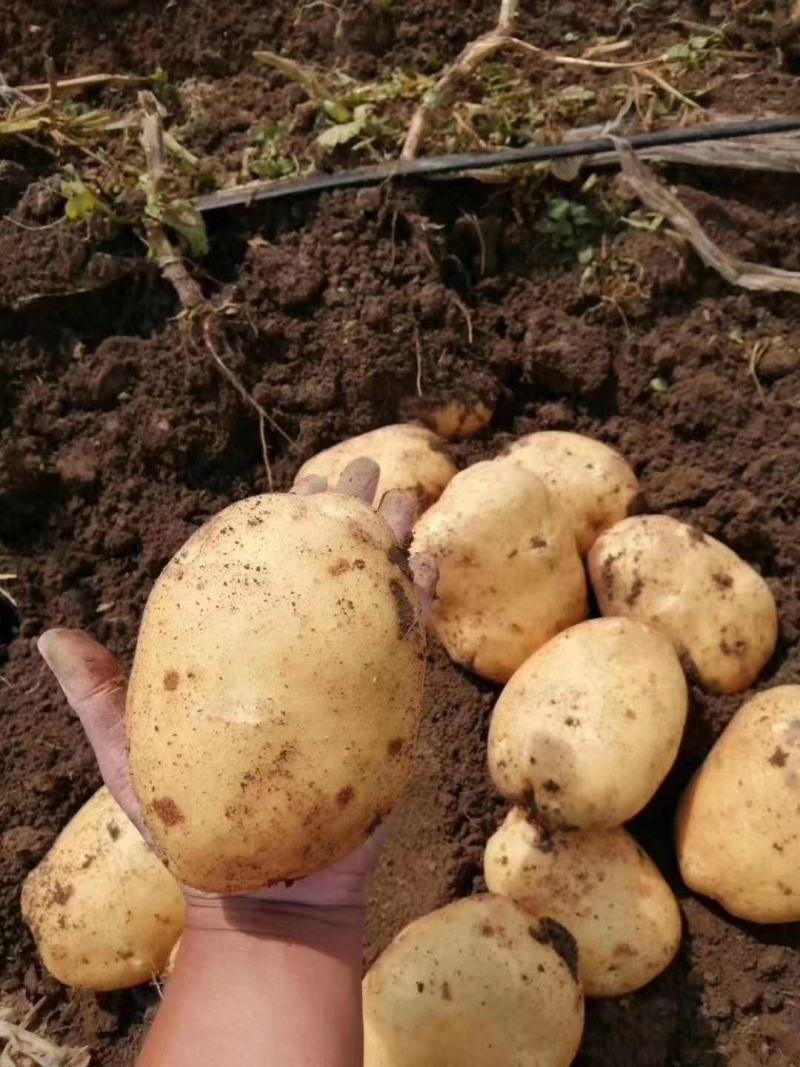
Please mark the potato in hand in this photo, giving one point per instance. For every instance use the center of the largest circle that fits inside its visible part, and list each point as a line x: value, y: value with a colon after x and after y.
x: 276, y: 691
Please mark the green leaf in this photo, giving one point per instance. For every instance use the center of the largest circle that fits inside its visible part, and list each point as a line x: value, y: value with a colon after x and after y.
x: 336, y: 112
x: 680, y: 52
x: 577, y: 94
x: 184, y: 218
x: 347, y: 131
x: 81, y: 202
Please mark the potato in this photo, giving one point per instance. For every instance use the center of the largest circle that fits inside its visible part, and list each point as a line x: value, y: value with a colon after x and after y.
x: 456, y: 419
x: 602, y: 887
x: 104, y: 910
x: 410, y: 457
x: 510, y: 576
x: 591, y: 480
x: 737, y: 833
x: 478, y: 983
x: 718, y: 612
x: 588, y: 727
x: 276, y: 691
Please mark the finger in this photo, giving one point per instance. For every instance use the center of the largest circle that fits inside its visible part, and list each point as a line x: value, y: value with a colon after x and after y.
x: 94, y: 684
x: 360, y: 479
x: 400, y: 509
x: 309, y: 485
x: 425, y: 573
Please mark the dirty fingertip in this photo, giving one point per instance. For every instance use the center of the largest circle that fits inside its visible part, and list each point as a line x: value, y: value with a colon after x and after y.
x: 400, y: 509
x: 360, y: 479
x: 425, y: 573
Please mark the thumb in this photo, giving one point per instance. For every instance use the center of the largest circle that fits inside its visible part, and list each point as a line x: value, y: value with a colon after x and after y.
x: 94, y: 684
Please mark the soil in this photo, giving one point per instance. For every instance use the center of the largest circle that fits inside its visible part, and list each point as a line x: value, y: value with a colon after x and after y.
x: 117, y: 440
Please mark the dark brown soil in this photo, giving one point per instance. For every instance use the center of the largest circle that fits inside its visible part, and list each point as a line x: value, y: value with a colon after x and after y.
x: 117, y: 441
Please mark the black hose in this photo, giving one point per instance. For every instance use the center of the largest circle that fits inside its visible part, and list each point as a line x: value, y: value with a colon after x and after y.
x: 455, y: 164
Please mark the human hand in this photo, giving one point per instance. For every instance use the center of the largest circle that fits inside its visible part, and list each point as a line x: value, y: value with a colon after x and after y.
x: 94, y: 684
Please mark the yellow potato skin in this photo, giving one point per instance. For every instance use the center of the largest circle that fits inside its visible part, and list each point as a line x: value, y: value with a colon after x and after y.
x: 472, y: 985
x: 103, y: 909
x: 593, y: 482
x: 737, y: 834
x: 510, y: 576
x: 276, y: 691
x: 589, y: 726
x: 602, y: 887
x: 410, y: 457
x: 718, y: 612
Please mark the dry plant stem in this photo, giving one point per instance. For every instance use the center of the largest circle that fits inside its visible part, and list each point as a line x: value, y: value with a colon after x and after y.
x: 68, y: 86
x: 19, y: 1047
x: 168, y: 259
x: 481, y: 49
x: 470, y: 59
x: 656, y: 197
x: 172, y: 266
x: 263, y: 416
x: 175, y: 271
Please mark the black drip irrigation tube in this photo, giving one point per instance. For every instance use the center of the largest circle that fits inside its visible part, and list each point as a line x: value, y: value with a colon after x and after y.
x: 454, y: 165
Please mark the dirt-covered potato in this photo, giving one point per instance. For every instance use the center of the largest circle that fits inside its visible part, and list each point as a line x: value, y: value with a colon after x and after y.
x: 602, y: 887
x: 592, y: 481
x: 510, y: 576
x: 105, y: 912
x: 588, y: 727
x: 456, y: 419
x: 717, y: 611
x: 737, y: 831
x: 276, y: 690
x: 410, y: 457
x: 479, y: 983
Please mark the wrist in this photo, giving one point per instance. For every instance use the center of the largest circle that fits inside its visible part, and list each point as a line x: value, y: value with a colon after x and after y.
x: 336, y: 929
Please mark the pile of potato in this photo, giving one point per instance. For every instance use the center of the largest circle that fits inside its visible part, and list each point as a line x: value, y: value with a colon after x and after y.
x: 285, y: 623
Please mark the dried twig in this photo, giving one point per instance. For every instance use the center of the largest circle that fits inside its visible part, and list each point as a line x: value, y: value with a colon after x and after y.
x: 418, y: 350
x: 164, y: 252
x: 470, y: 59
x: 20, y: 1046
x: 68, y: 86
x: 502, y: 37
x: 656, y: 197
x: 175, y: 271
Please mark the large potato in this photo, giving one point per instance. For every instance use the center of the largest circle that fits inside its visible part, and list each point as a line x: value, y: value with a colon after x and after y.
x: 588, y: 727
x: 276, y: 691
x: 410, y: 457
x: 591, y: 480
x: 737, y: 830
x: 718, y: 612
x: 478, y: 983
x: 510, y: 576
x: 606, y: 891
x: 104, y: 910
